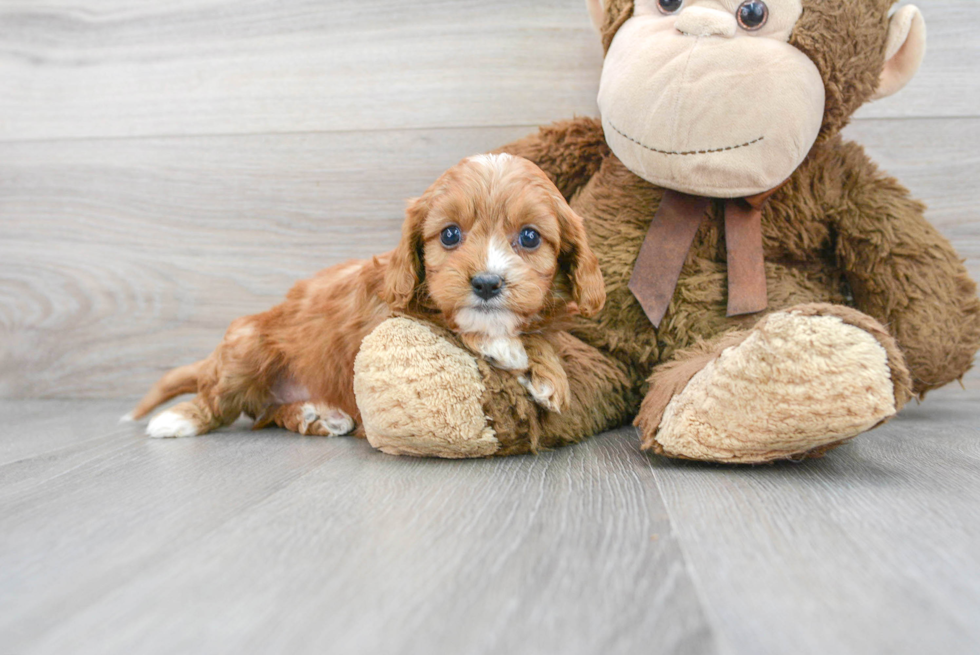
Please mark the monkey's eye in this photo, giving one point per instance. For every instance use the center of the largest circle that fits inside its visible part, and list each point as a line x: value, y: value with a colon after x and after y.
x: 450, y: 236
x: 752, y: 14
x: 529, y: 238
x: 669, y: 6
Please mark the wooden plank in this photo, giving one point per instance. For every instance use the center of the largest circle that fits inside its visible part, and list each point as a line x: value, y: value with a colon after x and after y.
x: 116, y: 501
x: 244, y: 542
x: 258, y: 542
x: 54, y: 425
x: 95, y: 68
x: 870, y: 550
x: 946, y: 83
x: 98, y: 68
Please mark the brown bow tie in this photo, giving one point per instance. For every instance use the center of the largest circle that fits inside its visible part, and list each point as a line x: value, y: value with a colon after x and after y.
x: 658, y: 267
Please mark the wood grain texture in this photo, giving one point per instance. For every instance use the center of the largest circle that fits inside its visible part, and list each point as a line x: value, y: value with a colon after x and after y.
x: 946, y: 83
x: 870, y: 550
x: 245, y: 542
x: 98, y: 69
x: 110, y: 68
x: 242, y: 542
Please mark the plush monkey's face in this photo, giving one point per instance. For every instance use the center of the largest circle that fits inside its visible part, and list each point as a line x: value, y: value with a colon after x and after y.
x: 709, y: 97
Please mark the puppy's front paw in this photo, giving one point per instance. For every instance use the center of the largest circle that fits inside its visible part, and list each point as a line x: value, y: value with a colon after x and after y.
x: 506, y: 353
x: 551, y: 396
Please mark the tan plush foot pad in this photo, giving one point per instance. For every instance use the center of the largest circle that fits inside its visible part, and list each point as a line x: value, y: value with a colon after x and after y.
x: 796, y: 384
x: 420, y: 395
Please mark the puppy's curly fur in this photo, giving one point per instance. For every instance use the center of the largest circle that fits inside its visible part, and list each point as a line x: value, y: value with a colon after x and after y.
x: 293, y: 365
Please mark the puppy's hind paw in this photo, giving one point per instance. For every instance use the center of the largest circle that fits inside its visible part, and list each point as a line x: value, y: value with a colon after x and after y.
x: 171, y: 424
x: 324, y: 421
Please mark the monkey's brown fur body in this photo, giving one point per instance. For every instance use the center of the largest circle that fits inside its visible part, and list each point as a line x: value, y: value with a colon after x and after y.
x: 846, y: 248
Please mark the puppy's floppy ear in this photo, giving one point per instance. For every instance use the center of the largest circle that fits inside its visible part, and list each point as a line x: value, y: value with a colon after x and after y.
x: 588, y: 287
x: 406, y: 269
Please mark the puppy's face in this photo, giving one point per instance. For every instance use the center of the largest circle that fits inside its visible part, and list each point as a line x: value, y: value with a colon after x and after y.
x: 497, y: 247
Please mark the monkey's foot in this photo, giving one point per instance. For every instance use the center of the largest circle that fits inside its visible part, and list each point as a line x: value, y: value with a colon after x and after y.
x: 799, y: 383
x: 420, y: 395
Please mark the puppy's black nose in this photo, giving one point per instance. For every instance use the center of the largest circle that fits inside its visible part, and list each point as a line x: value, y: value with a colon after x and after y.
x: 487, y: 285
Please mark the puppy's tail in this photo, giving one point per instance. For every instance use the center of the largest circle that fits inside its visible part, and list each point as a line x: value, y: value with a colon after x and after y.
x: 176, y: 382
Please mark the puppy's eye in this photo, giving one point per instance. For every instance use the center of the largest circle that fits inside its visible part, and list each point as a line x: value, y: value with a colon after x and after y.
x: 529, y: 238
x: 669, y: 6
x: 451, y: 236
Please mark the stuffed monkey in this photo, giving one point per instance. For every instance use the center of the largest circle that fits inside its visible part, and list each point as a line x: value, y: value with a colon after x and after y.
x: 771, y: 293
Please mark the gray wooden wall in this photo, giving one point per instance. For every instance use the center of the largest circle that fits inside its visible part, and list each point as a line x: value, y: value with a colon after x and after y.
x: 166, y: 167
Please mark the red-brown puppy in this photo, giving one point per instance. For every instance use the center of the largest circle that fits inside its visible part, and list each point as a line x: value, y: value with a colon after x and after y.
x: 491, y: 251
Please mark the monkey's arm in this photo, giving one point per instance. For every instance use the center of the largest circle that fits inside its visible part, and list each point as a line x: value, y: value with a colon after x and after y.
x: 904, y: 273
x: 570, y: 152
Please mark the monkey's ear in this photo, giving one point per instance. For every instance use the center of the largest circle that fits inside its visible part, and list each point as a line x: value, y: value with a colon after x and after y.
x: 904, y: 50
x: 405, y: 269
x: 597, y: 13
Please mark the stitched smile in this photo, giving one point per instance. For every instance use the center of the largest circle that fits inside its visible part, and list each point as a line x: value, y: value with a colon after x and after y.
x: 689, y: 152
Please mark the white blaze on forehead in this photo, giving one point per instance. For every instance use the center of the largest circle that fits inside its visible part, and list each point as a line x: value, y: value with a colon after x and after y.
x: 500, y: 258
x: 495, y: 164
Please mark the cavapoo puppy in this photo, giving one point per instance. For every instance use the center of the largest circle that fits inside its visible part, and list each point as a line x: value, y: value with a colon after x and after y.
x: 491, y: 251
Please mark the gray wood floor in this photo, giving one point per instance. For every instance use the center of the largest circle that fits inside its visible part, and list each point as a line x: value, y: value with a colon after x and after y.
x: 260, y: 542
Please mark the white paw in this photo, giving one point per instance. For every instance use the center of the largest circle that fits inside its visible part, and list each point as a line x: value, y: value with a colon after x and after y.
x: 171, y: 424
x: 324, y: 420
x: 506, y: 353
x: 542, y: 392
